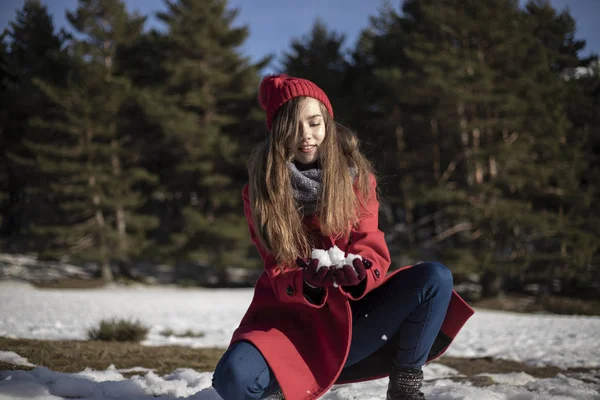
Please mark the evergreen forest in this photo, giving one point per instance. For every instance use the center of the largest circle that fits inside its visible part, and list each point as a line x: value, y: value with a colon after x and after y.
x: 121, y: 144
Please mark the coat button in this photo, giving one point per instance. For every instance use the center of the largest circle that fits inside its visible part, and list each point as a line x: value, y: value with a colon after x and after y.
x: 290, y: 291
x: 377, y: 273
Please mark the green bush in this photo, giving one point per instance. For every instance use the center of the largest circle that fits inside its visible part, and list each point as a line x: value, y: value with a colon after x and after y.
x: 188, y: 333
x: 119, y: 330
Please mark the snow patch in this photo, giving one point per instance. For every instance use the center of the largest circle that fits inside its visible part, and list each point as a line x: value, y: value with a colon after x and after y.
x: 15, y: 359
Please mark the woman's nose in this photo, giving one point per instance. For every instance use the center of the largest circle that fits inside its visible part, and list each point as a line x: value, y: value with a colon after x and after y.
x: 305, y: 133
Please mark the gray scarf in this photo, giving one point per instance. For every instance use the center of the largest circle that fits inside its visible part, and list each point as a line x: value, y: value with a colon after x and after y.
x: 306, y: 186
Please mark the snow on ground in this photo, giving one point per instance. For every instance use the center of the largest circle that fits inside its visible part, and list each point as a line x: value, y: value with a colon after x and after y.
x: 26, y: 312
x: 541, y: 339
x: 68, y: 314
x: 43, y: 384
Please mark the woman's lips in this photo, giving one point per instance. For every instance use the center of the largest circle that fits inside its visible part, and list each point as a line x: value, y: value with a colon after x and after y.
x: 308, y: 149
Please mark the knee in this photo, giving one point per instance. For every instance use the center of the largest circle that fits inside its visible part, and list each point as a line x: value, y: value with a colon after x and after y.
x: 225, y: 373
x: 232, y: 380
x: 436, y: 275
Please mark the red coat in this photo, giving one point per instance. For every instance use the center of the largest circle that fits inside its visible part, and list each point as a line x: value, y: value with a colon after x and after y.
x: 306, y: 345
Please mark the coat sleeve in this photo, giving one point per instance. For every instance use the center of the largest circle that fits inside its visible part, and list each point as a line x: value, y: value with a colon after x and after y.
x: 287, y: 283
x: 368, y: 241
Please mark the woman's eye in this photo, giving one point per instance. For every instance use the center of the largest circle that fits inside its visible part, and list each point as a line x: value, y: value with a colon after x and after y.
x: 315, y: 124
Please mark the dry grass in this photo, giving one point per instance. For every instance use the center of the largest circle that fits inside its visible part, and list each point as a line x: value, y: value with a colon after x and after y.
x: 530, y: 304
x: 471, y: 367
x: 566, y: 306
x: 75, y: 356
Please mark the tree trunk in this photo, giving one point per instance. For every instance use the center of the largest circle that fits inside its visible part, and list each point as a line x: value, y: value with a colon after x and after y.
x: 490, y: 284
x: 100, y: 240
x: 436, y: 149
x: 405, y: 184
x: 493, y: 167
x: 119, y: 209
x: 105, y: 272
x: 464, y: 136
x: 478, y: 164
x: 408, y: 209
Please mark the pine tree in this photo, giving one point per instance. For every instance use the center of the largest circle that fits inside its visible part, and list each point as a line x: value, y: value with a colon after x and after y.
x: 388, y: 93
x: 557, y: 32
x: 32, y: 51
x: 206, y: 111
x: 319, y: 57
x: 571, y: 248
x: 4, y: 190
x: 96, y: 178
x: 583, y: 102
x: 476, y: 117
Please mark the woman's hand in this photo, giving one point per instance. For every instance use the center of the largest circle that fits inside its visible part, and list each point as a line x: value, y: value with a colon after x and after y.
x: 352, y: 275
x: 315, y: 277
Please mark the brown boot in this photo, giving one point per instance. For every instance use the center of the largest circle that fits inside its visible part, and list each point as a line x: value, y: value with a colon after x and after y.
x: 405, y: 384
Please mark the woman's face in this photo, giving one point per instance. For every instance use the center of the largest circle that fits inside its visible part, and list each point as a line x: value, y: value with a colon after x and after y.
x: 311, y: 131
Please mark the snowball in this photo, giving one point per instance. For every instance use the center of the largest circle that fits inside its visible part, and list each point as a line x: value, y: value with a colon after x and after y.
x: 338, y: 259
x: 337, y: 256
x: 322, y: 256
x: 334, y: 257
x: 351, y: 257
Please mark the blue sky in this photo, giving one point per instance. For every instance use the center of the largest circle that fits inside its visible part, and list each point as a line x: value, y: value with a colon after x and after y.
x: 273, y: 23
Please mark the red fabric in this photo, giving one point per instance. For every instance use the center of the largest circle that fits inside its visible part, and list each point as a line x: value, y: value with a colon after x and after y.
x: 306, y: 345
x: 276, y: 90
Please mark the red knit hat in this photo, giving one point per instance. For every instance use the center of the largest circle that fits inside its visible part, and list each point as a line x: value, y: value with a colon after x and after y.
x: 276, y: 90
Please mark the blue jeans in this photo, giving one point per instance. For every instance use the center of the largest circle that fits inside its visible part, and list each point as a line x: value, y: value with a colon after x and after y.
x: 413, y: 304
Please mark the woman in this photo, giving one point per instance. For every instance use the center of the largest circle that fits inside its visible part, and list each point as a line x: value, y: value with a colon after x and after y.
x: 311, y: 326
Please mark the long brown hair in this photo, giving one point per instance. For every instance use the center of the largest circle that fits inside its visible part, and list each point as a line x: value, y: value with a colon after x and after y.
x: 276, y: 215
